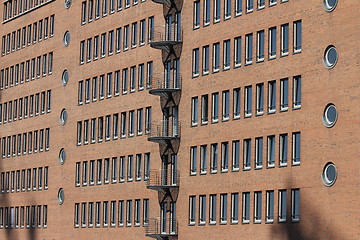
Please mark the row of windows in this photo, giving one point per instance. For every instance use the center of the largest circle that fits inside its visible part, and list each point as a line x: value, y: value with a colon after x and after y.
x: 113, y: 170
x: 231, y: 8
x: 29, y: 106
x: 33, y: 33
x: 228, y: 209
x: 112, y: 213
x: 108, y: 85
x: 26, y: 71
x: 116, y: 40
x: 95, y: 9
x: 247, y: 99
x: 283, y: 41
x: 209, y: 155
x: 15, y: 8
x: 34, y: 216
x: 96, y: 126
x: 26, y: 143
x: 21, y: 180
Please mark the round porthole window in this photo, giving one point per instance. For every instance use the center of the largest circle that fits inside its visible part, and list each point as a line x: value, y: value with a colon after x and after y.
x: 66, y: 38
x: 65, y: 78
x: 61, y: 196
x: 330, y: 57
x: 330, y: 5
x: 62, y: 156
x: 67, y: 3
x: 63, y: 117
x: 329, y: 174
x: 330, y: 115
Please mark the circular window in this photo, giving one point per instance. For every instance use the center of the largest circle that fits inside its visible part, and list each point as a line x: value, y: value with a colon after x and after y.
x: 330, y: 115
x: 61, y: 196
x: 63, y: 117
x: 330, y: 57
x: 62, y: 156
x: 65, y: 78
x: 330, y: 5
x: 67, y: 3
x: 66, y: 38
x: 329, y: 174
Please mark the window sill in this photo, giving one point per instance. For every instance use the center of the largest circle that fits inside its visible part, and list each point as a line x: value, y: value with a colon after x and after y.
x: 247, y: 169
x: 192, y: 224
x: 212, y: 223
x: 283, y: 109
x: 269, y: 221
x: 295, y: 164
x: 271, y: 111
x: 296, y: 107
x: 245, y: 222
x: 296, y: 52
x: 213, y: 172
x: 248, y: 115
x: 259, y: 114
x: 224, y: 170
x: 283, y: 165
x: 257, y: 221
x: 223, y: 222
x: 270, y: 166
x: 258, y: 167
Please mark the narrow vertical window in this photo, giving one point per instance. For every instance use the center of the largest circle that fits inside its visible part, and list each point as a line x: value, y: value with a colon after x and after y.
x: 83, y: 12
x: 194, y: 111
x: 134, y: 32
x: 142, y: 32
x: 82, y: 52
x: 234, y: 208
x: 248, y: 101
x: 259, y: 99
x: 271, y: 151
x: 128, y: 212
x: 76, y: 214
x: 260, y: 54
x: 204, y: 109
x: 138, y: 166
x: 272, y: 42
x: 284, y: 39
x: 226, y: 105
x: 227, y: 9
x: 146, y: 208
x: 192, y: 210
x: 247, y: 154
x: 272, y: 97
x: 137, y: 212
x: 236, y: 103
x: 205, y: 59
x: 79, y: 133
x: 215, y: 108
x: 283, y: 149
x: 249, y: 6
x: 212, y: 207
x: 248, y: 48
x: 214, y: 158
x: 224, y: 156
x: 223, y: 208
x: 269, y: 206
x: 226, y: 53
x: 121, y: 213
x: 217, y: 9
x: 235, y: 155
x: 261, y: 4
x: 246, y: 208
x: 257, y: 207
x: 258, y: 152
x: 202, y: 209
x: 295, y: 205
x: 284, y: 98
x: 297, y: 92
x: 216, y: 56
x: 193, y: 160
x: 130, y: 167
x: 207, y: 12
x: 203, y: 159
x: 126, y: 38
x: 196, y: 62
x: 282, y: 205
x: 296, y: 148
x: 297, y: 36
x: 196, y: 23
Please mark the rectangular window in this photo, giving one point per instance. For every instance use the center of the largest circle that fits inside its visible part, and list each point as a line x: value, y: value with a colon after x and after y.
x: 126, y: 38
x: 260, y: 54
x: 297, y: 92
x: 282, y: 205
x: 100, y: 129
x: 146, y: 166
x: 141, y: 77
x: 216, y: 56
x: 224, y: 156
x: 248, y: 101
x: 122, y: 169
x: 121, y: 213
x: 217, y: 9
x: 236, y: 103
x: 272, y: 42
x: 193, y: 160
x: 259, y: 99
x: 205, y: 62
x: 128, y: 212
x: 227, y: 9
x: 258, y: 152
x: 272, y: 2
x: 138, y: 167
x: 79, y: 133
x: 77, y: 174
x: 96, y: 47
x: 247, y: 154
x: 131, y: 123
x: 296, y: 148
x: 134, y: 31
x: 97, y: 214
x: 146, y: 208
x: 237, y: 52
x: 111, y: 42
x: 142, y: 31
x: 92, y: 172
x: 151, y: 29
x: 234, y: 207
x: 195, y: 62
x: 105, y: 213
x: 214, y: 157
x: 271, y: 151
x: 284, y: 39
x: 284, y: 149
x: 297, y: 36
x: 82, y: 52
x: 148, y: 120
x: 84, y: 173
x: 130, y: 167
x: 249, y: 6
x: 194, y: 111
x: 212, y: 208
x: 272, y: 97
x: 103, y: 45
x: 295, y: 205
x: 246, y: 208
x: 269, y: 206
x: 207, y: 12
x: 106, y: 170
x: 257, y: 207
x: 125, y: 80
x: 91, y: 10
x: 223, y: 208
x: 192, y: 210
x: 83, y: 214
x: 226, y: 53
x: 248, y: 48
x: 196, y: 23
x: 76, y: 214
x: 113, y: 213
x: 99, y: 171
x: 83, y: 12
x: 137, y: 212
x: 89, y: 48
x: 261, y: 4
x: 215, y: 108
x: 284, y: 98
x: 132, y: 78
x: 202, y: 209
x: 203, y: 159
x: 114, y: 169
x: 236, y: 155
x: 139, y: 121
x: 226, y: 105
x: 204, y: 109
